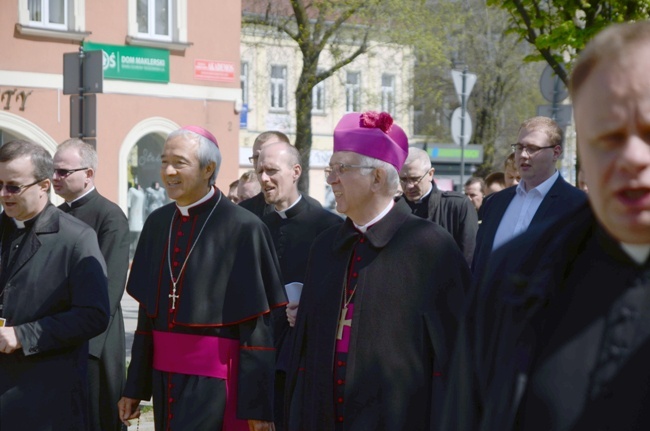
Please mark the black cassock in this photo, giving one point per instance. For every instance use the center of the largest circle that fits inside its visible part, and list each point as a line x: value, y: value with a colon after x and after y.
x: 409, y: 280
x: 293, y: 233
x: 106, y: 376
x: 558, y: 336
x: 229, y: 284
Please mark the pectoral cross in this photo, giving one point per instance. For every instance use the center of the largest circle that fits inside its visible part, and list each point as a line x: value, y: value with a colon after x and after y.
x: 343, y: 322
x: 173, y: 295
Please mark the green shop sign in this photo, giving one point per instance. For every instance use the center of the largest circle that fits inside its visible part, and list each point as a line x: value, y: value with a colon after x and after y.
x: 132, y: 62
x: 452, y: 153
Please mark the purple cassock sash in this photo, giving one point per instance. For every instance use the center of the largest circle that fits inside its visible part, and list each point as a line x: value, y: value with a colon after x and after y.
x: 199, y: 355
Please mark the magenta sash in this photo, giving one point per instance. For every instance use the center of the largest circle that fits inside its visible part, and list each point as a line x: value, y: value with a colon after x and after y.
x: 199, y: 355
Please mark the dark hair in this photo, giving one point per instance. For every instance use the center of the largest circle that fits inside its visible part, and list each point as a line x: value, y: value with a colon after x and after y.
x: 495, y: 177
x: 41, y: 159
x: 474, y: 180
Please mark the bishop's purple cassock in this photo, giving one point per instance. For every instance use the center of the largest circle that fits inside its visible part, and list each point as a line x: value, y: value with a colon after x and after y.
x: 203, y: 348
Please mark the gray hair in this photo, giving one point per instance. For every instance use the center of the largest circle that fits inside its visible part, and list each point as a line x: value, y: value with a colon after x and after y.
x: 207, y: 153
x: 392, y: 176
x: 86, y: 151
x: 418, y: 155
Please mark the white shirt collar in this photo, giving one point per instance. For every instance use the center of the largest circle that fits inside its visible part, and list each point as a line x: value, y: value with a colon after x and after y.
x: 283, y: 213
x: 542, y: 189
x: 638, y: 252
x: 425, y: 195
x: 75, y: 200
x: 186, y: 209
x: 381, y: 215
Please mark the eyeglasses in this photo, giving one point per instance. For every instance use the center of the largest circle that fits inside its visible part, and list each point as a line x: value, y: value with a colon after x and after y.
x: 342, y: 168
x: 14, y: 190
x: 530, y: 149
x: 411, y: 180
x: 254, y: 158
x: 64, y: 173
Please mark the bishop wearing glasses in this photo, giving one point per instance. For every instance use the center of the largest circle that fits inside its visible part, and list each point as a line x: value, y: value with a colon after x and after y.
x: 381, y: 298
x: 542, y: 196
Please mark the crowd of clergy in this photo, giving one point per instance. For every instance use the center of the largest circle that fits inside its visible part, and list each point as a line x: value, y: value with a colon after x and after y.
x: 521, y: 304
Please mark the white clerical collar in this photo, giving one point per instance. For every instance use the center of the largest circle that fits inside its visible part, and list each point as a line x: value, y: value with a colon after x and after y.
x: 186, y: 209
x: 20, y: 224
x: 283, y: 213
x: 381, y: 215
x: 542, y: 189
x: 638, y: 252
x: 75, y: 200
x: 419, y: 201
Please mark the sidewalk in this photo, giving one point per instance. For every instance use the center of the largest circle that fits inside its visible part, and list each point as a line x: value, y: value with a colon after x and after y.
x: 130, y: 312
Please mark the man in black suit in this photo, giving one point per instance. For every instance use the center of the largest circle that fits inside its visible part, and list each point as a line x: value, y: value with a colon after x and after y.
x: 53, y: 298
x: 542, y: 194
x: 75, y: 165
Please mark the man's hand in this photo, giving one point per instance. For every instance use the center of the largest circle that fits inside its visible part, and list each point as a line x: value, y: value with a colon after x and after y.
x: 292, y: 312
x: 128, y: 409
x: 260, y: 426
x: 8, y: 341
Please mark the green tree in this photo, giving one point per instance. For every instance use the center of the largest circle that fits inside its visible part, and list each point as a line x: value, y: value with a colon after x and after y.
x: 347, y: 29
x: 559, y: 29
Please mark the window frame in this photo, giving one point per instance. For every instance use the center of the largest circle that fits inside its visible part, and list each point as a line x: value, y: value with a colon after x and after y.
x: 151, y: 17
x: 352, y: 92
x: 318, y: 88
x: 274, y: 83
x: 388, y: 94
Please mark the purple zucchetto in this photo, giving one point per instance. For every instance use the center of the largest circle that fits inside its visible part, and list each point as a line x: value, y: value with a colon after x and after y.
x: 203, y: 132
x: 372, y: 134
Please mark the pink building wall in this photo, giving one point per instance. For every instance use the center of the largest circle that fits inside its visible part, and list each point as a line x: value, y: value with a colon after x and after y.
x: 213, y: 31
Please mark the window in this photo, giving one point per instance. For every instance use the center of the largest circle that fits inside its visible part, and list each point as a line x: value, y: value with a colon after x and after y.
x: 48, y: 13
x: 243, y: 78
x: 279, y: 88
x: 388, y: 93
x: 318, y: 98
x: 352, y: 91
x: 55, y: 19
x: 154, y: 19
x: 158, y: 24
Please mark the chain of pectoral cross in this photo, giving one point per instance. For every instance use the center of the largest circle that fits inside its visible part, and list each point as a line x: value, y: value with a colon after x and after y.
x: 175, y: 280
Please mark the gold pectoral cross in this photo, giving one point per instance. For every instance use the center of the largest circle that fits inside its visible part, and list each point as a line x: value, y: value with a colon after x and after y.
x: 343, y: 322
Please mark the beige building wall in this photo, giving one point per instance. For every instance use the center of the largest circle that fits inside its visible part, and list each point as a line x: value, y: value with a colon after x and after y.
x: 32, y: 62
x: 261, y: 50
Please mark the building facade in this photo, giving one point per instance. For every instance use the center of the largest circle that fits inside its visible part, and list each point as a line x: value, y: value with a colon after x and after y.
x: 166, y: 64
x: 380, y: 80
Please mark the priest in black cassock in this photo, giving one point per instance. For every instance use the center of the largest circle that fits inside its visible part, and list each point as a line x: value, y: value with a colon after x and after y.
x: 75, y: 166
x: 257, y: 204
x: 206, y: 276
x: 294, y: 224
x: 381, y: 298
x: 557, y: 336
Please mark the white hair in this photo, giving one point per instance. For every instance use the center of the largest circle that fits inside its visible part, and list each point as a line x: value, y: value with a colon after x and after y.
x: 392, y: 176
x: 207, y: 152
